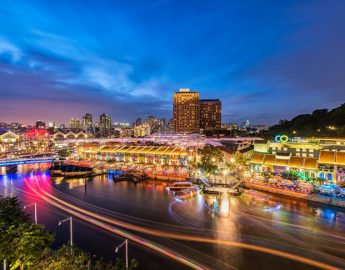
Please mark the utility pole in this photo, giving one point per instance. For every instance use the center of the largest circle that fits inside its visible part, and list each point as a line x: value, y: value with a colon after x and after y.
x: 126, y: 247
x: 70, y: 228
x: 35, y: 205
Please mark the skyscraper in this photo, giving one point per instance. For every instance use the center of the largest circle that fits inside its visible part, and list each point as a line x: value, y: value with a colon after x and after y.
x: 40, y: 124
x: 87, y: 121
x: 104, y: 125
x: 186, y: 111
x: 210, y: 114
x: 75, y: 124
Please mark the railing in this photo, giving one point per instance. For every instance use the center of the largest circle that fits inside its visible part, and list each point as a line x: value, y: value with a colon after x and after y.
x: 8, y: 162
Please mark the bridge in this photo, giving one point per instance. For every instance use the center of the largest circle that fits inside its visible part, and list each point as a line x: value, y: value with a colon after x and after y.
x: 11, y: 162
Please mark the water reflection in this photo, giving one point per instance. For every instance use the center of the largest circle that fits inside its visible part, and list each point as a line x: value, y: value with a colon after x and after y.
x: 254, y: 217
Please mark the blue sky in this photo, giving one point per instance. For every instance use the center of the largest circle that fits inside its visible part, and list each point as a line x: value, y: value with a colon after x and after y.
x: 266, y: 60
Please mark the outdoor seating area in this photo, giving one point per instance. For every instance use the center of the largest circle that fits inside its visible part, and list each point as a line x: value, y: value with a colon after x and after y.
x: 279, y: 182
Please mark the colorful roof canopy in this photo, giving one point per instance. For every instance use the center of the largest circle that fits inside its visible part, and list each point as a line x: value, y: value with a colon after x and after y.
x: 145, y: 150
x: 332, y: 157
x: 295, y: 162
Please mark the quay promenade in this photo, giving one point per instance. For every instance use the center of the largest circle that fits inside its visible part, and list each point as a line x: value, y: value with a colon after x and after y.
x: 298, y: 195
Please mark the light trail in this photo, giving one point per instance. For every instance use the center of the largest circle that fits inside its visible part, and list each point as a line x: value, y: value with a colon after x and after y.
x: 122, y: 233
x: 170, y: 235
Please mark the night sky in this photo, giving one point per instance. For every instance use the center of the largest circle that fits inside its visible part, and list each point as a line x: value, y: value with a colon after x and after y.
x: 266, y: 60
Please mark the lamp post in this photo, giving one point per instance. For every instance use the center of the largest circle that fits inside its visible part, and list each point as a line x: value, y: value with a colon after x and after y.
x: 35, y: 205
x: 120, y: 246
x: 70, y: 228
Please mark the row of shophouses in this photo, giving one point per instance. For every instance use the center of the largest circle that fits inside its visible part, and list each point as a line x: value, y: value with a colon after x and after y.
x: 311, y: 158
x: 156, y: 155
x: 33, y: 141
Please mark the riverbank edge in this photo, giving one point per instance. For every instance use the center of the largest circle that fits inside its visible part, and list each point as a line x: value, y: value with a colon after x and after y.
x: 308, y: 197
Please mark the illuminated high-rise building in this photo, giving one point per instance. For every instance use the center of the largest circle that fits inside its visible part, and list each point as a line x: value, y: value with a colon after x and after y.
x: 105, y: 121
x: 87, y: 121
x: 40, y: 124
x: 105, y: 125
x: 186, y: 111
x: 210, y: 113
x: 75, y: 124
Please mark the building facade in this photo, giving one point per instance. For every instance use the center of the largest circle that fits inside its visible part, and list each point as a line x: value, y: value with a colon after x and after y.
x: 40, y: 124
x: 75, y: 124
x: 105, y: 125
x: 87, y: 121
x: 311, y: 158
x: 210, y: 114
x: 186, y: 111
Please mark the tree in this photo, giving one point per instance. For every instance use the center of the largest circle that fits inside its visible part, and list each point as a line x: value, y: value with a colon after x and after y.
x: 120, y: 265
x: 63, y: 153
x: 210, y: 158
x: 27, y: 244
x: 11, y: 212
x: 67, y: 258
x: 73, y: 258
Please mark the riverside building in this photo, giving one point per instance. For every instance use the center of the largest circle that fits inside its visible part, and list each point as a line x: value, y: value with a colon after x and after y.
x: 210, y: 114
x: 322, y: 158
x: 186, y: 111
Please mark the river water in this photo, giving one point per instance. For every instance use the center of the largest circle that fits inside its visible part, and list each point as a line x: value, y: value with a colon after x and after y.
x: 296, y: 227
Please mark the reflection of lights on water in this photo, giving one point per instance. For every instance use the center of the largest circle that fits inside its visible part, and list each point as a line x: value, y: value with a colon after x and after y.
x: 225, y: 206
x: 76, y: 183
x: 178, y: 199
x: 328, y: 214
x: 5, y: 177
x: 219, y: 206
x: 3, y: 171
x: 274, y: 208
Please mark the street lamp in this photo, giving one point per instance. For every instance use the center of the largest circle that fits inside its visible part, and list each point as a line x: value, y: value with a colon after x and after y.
x: 120, y: 246
x: 70, y: 228
x: 35, y: 205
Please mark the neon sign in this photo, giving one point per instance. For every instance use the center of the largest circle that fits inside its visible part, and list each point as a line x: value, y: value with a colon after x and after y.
x: 281, y: 138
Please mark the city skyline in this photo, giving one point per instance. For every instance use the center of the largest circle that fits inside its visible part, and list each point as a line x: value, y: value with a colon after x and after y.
x: 263, y: 60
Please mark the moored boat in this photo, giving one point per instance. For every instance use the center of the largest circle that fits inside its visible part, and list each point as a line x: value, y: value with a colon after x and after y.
x: 124, y: 177
x: 187, y: 193
x: 180, y: 185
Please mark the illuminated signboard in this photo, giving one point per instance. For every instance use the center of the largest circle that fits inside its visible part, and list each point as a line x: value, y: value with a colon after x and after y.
x: 281, y: 138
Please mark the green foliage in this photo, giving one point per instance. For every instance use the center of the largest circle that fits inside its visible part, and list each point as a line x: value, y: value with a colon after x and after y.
x: 67, y: 258
x: 315, y: 124
x: 11, y: 212
x: 27, y: 246
x: 73, y: 258
x: 210, y: 159
x: 64, y: 153
x: 120, y: 264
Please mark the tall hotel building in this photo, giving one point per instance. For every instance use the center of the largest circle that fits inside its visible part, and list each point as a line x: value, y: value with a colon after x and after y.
x: 210, y: 114
x: 186, y: 111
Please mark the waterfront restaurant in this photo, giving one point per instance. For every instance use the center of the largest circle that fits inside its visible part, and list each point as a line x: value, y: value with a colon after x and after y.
x: 329, y: 166
x: 332, y: 166
x: 159, y: 155
x: 279, y: 163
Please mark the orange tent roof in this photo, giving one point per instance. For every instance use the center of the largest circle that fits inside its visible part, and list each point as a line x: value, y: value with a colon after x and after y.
x: 340, y: 158
x: 269, y: 159
x: 327, y: 157
x: 296, y: 162
x: 281, y: 162
x: 257, y: 158
x: 310, y: 163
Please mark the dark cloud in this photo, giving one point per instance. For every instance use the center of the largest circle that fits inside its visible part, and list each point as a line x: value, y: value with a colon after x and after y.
x: 266, y: 60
